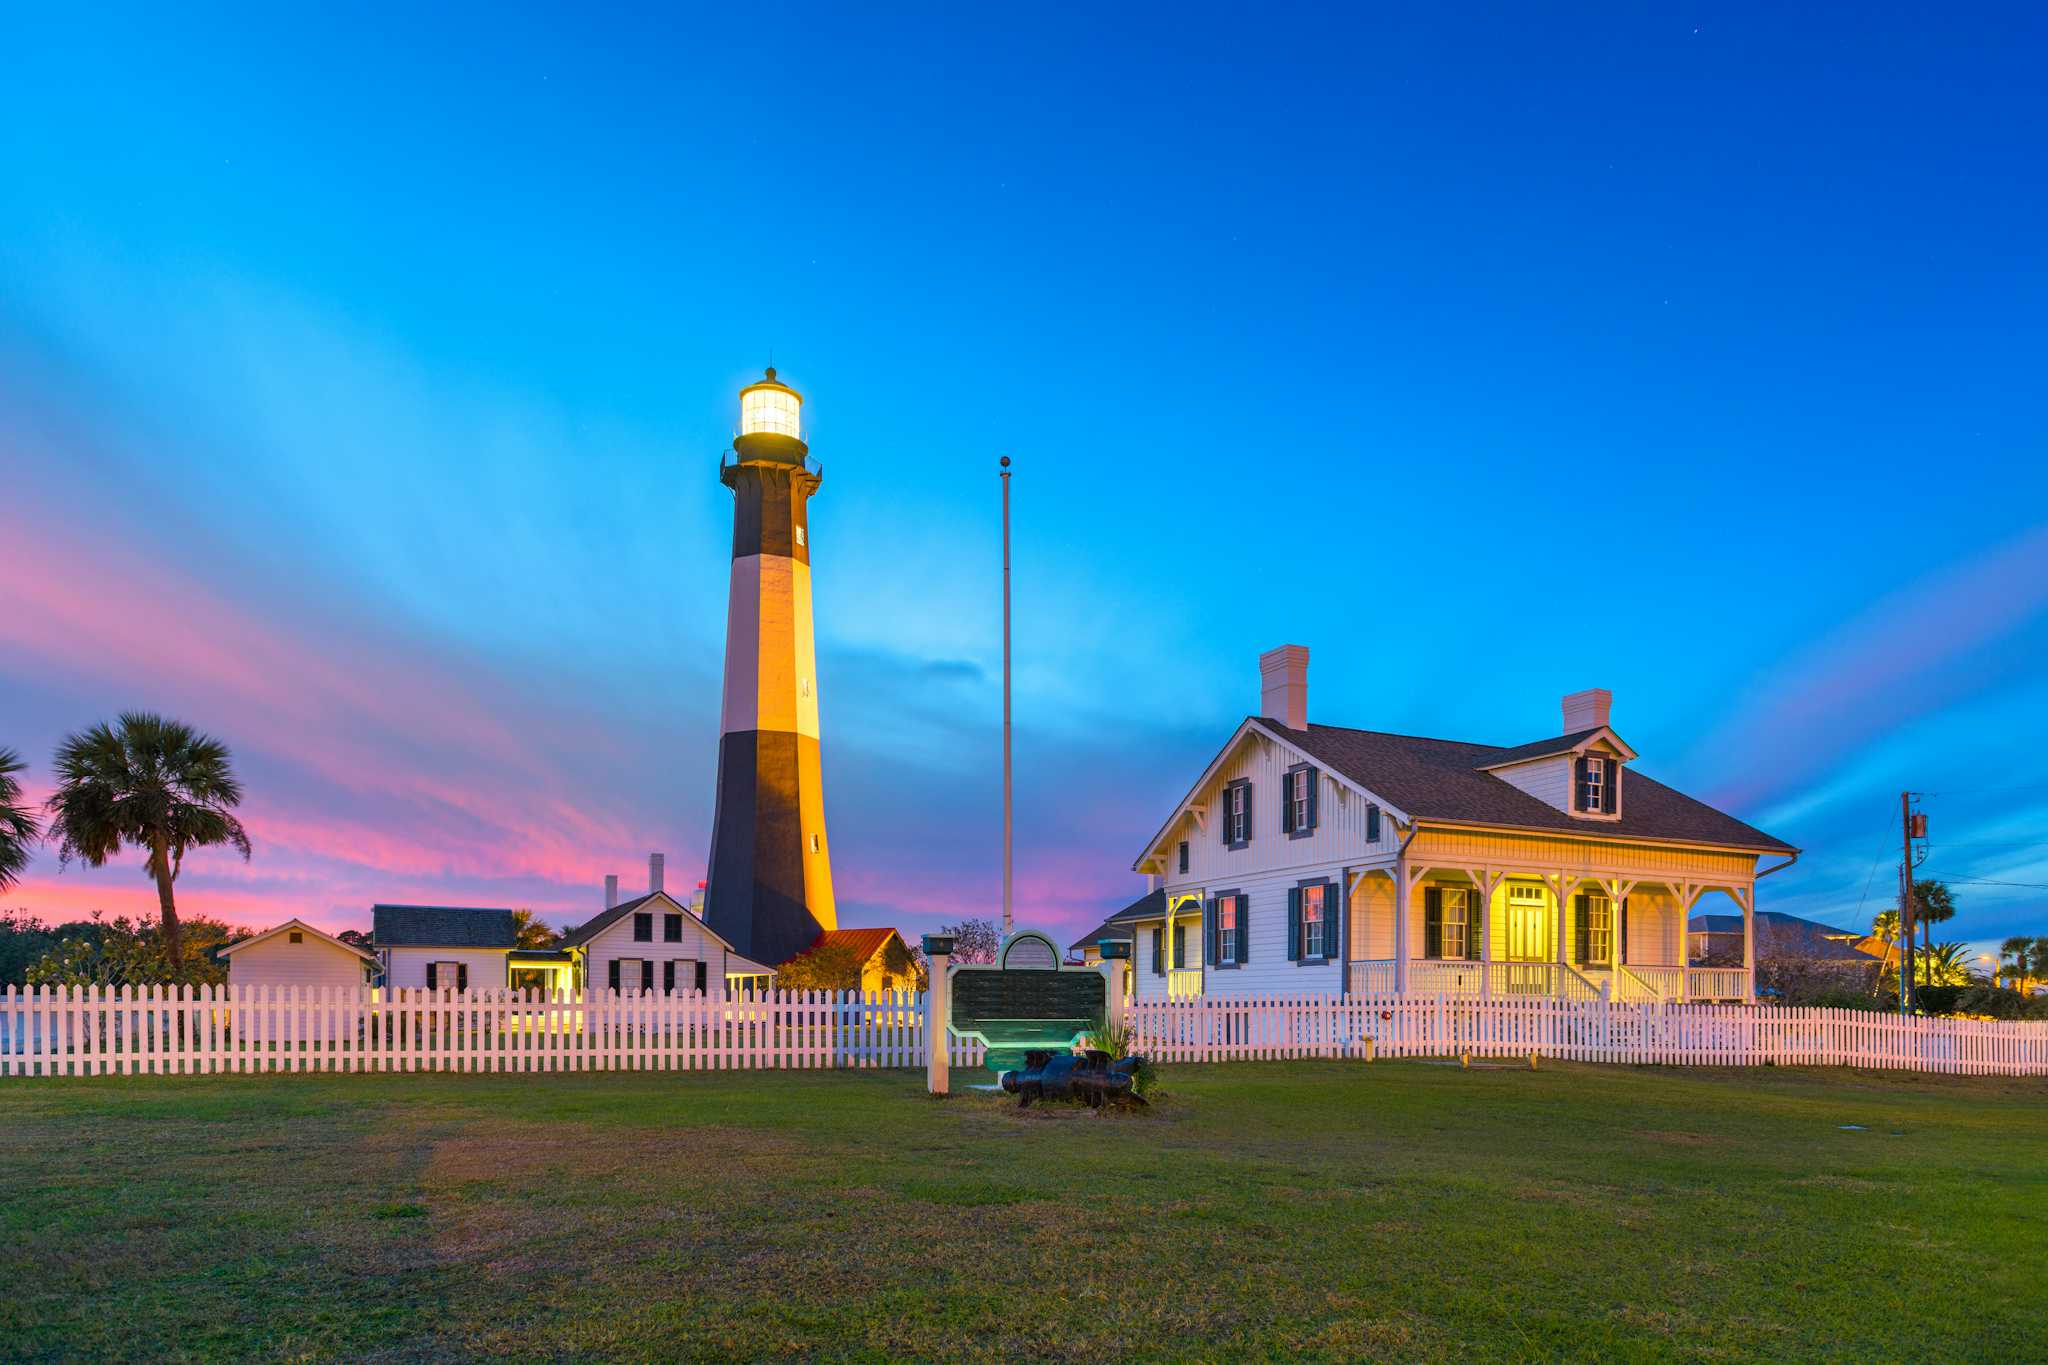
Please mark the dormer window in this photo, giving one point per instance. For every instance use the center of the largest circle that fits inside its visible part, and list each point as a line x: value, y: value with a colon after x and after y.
x: 1298, y: 801
x: 1595, y: 778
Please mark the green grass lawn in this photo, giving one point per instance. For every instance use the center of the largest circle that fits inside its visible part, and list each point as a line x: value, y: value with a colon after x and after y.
x: 1327, y: 1209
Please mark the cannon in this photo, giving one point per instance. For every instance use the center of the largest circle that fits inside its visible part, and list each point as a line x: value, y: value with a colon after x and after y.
x: 1093, y: 1078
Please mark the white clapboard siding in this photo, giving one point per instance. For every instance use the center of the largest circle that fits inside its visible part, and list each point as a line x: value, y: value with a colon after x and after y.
x: 180, y: 1030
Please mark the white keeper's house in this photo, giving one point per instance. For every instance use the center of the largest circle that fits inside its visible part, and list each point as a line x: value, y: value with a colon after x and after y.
x: 1315, y: 858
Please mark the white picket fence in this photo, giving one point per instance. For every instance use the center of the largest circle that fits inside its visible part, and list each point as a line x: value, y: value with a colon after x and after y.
x: 96, y: 1031
x: 1665, y: 1033
x: 93, y: 1031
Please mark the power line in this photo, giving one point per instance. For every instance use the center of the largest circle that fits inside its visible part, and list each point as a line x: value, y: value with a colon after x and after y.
x: 1987, y: 881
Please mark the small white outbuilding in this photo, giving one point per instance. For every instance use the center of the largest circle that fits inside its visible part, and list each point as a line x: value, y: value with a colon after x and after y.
x: 297, y: 954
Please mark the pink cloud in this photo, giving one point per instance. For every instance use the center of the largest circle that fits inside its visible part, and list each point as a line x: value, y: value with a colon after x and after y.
x: 1876, y: 670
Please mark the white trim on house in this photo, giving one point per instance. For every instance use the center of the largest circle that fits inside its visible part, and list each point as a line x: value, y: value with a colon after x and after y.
x: 1192, y: 805
x: 300, y: 924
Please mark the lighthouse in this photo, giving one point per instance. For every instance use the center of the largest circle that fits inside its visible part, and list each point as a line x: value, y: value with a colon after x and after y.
x: 770, y: 892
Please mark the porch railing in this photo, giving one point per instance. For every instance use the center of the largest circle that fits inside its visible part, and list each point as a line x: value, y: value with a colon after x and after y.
x: 1716, y: 983
x: 1658, y: 983
x: 1431, y: 976
x: 1572, y: 985
x: 1373, y: 976
x: 1523, y: 978
x: 1184, y: 983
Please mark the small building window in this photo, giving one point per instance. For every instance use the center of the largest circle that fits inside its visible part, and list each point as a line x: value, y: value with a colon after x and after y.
x: 1297, y: 797
x: 297, y: 937
x: 1226, y: 931
x: 1596, y: 929
x: 816, y: 843
x: 1183, y: 856
x: 1312, y: 921
x: 643, y: 926
x: 671, y: 928
x: 1372, y: 823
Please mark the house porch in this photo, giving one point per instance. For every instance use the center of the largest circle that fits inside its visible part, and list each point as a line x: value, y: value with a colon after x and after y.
x: 1488, y: 930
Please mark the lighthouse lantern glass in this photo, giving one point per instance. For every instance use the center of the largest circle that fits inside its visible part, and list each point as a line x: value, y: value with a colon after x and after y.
x: 771, y: 410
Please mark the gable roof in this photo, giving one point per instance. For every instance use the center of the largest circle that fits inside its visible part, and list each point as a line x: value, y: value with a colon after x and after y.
x: 863, y: 943
x: 1443, y: 781
x: 442, y: 926
x: 605, y: 919
x: 1542, y: 748
x: 299, y: 924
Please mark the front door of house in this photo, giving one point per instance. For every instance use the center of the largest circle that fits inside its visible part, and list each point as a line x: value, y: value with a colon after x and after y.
x: 1527, y: 924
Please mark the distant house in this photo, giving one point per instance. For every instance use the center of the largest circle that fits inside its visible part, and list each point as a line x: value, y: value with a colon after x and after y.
x: 1718, y: 938
x: 296, y: 954
x: 444, y: 947
x: 654, y: 943
x: 1320, y: 858
x: 885, y: 960
x: 1117, y: 928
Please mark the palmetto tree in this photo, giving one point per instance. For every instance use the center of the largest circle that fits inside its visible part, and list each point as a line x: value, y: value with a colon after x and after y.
x: 1944, y: 964
x: 2025, y: 959
x: 1932, y: 904
x: 155, y: 784
x: 18, y: 830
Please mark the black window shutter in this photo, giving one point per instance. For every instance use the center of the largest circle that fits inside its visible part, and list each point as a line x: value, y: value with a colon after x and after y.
x: 1372, y: 823
x: 1433, y: 921
x: 1607, y: 787
x: 1244, y: 928
x: 1333, y: 921
x: 672, y: 928
x: 1315, y: 789
x: 1250, y: 826
x: 615, y: 974
x: 646, y: 974
x: 1294, y: 924
x: 700, y: 978
x: 1180, y: 945
x: 1212, y: 933
x: 1158, y: 948
x: 1223, y: 813
x: 1582, y: 930
x: 1621, y: 944
x: 1287, y: 790
x: 1579, y: 782
x: 462, y: 976
x: 1474, y: 919
x: 433, y: 972
x: 668, y: 977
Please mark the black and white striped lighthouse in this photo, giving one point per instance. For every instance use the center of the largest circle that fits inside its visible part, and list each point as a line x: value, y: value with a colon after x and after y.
x: 770, y: 891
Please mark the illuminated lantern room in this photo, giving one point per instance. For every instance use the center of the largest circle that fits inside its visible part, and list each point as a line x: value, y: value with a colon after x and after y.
x: 771, y: 426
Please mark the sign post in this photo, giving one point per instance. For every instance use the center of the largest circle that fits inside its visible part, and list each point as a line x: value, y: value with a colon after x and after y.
x: 938, y: 1013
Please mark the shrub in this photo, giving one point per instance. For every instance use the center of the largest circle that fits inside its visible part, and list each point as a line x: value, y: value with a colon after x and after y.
x: 1939, y: 999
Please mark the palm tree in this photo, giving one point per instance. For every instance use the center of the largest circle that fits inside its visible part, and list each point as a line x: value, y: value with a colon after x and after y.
x: 2024, y: 958
x: 18, y: 831
x: 1945, y: 964
x: 1932, y: 905
x: 1885, y: 929
x: 156, y: 784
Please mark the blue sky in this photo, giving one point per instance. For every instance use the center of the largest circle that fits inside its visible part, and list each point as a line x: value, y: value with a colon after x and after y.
x: 363, y: 376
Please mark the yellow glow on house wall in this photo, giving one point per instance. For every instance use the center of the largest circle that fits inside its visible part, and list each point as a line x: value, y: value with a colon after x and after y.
x: 769, y: 409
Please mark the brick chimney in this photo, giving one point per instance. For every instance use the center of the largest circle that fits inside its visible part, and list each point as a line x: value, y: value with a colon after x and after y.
x: 611, y: 890
x: 655, y: 863
x: 1587, y: 710
x: 1283, y: 686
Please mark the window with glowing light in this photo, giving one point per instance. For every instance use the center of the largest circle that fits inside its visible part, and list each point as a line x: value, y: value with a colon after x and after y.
x: 1226, y: 930
x: 769, y: 410
x: 1312, y: 921
x: 1456, y: 922
x: 1597, y: 935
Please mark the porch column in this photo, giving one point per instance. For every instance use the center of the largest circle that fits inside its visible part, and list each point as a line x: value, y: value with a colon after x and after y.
x: 1682, y: 896
x: 1617, y: 891
x: 1747, y: 895
x: 1401, y: 887
x: 1486, y: 881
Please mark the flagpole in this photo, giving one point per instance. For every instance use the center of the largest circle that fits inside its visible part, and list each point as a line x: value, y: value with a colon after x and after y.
x: 1007, y: 918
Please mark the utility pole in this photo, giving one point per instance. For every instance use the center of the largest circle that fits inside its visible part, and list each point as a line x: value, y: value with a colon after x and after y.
x: 1906, y: 832
x: 1007, y: 917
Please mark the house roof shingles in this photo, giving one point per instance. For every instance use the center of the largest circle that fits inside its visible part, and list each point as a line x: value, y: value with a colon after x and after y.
x: 1440, y: 780
x: 603, y: 920
x: 1112, y: 927
x: 864, y: 943
x: 442, y: 926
